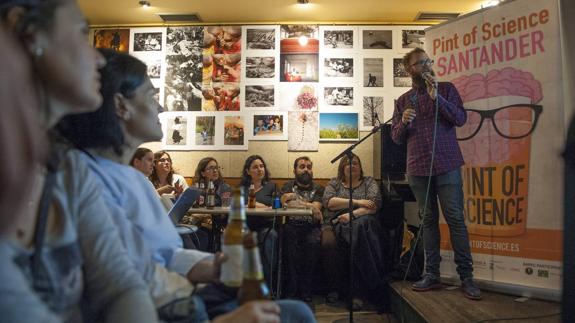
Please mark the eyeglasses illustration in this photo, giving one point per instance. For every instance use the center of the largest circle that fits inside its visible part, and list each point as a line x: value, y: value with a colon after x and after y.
x: 514, y: 121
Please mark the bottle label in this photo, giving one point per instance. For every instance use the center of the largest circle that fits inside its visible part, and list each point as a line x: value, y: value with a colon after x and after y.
x: 232, y: 268
x: 211, y: 200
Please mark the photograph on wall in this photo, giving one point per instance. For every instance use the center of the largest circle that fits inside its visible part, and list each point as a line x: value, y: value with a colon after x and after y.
x: 154, y: 68
x: 260, y: 67
x: 337, y: 39
x: 299, y: 68
x: 234, y: 131
x: 183, y: 82
x: 177, y: 131
x: 222, y: 68
x: 400, y: 76
x: 222, y: 39
x: 413, y: 38
x: 298, y: 96
x: 373, y: 72
x: 338, y: 96
x: 338, y: 67
x: 205, y: 130
x: 269, y: 126
x: 260, y: 39
x: 221, y: 97
x: 115, y: 39
x: 338, y: 126
x: 377, y: 39
x: 259, y: 96
x: 147, y: 42
x: 303, y: 131
x: 372, y: 112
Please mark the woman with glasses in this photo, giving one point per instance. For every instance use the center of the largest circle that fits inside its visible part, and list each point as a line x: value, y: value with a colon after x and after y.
x: 368, y: 272
x: 163, y: 177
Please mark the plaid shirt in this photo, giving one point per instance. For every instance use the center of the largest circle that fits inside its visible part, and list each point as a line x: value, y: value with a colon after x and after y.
x: 419, y: 133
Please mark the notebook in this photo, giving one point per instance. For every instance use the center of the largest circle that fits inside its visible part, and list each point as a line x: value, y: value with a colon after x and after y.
x: 183, y: 204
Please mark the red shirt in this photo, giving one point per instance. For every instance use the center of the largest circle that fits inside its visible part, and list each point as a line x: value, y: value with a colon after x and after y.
x: 419, y: 133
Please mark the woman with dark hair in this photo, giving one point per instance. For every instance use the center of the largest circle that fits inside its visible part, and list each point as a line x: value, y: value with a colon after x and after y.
x: 209, y: 170
x: 163, y: 177
x: 367, y: 233
x: 257, y: 174
x: 63, y: 260
x: 143, y: 160
x: 148, y: 233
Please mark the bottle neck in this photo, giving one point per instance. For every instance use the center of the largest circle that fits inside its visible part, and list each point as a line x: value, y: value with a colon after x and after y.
x: 252, y: 264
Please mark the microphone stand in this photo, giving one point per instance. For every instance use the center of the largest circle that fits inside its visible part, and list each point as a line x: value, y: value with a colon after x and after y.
x: 349, y: 153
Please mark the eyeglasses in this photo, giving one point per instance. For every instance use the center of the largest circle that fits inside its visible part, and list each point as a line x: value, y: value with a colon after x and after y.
x: 512, y: 122
x: 424, y: 62
x: 164, y: 160
x: 213, y: 168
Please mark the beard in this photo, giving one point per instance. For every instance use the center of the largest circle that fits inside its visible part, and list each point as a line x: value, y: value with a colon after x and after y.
x: 304, y: 178
x: 418, y: 80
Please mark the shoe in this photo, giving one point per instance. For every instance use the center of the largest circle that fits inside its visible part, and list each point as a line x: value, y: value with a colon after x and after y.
x: 470, y: 290
x: 427, y: 283
x: 332, y: 298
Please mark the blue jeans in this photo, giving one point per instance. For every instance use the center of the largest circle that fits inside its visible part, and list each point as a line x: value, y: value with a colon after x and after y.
x: 448, y: 188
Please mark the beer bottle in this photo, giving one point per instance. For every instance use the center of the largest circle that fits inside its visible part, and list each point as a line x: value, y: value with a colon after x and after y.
x: 211, y: 196
x: 232, y: 241
x: 253, y: 285
x: 252, y: 197
x: 202, y: 197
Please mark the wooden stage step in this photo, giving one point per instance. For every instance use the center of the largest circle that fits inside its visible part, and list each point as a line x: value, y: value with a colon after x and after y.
x: 450, y: 306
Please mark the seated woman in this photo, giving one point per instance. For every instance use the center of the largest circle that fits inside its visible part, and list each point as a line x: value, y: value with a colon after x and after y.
x: 206, y: 171
x: 143, y: 160
x: 256, y: 173
x: 369, y: 275
x: 163, y: 177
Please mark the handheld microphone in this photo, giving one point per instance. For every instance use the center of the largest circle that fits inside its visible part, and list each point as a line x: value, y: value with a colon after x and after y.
x: 429, y: 79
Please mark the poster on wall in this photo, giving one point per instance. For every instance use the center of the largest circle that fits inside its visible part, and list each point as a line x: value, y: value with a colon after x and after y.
x: 115, y: 39
x: 338, y: 38
x: 299, y: 96
x: 259, y: 96
x: 299, y: 53
x: 303, y: 131
x: 235, y: 132
x: 374, y: 37
x: 372, y: 112
x: 205, y: 131
x: 261, y: 38
x: 260, y: 67
x: 412, y: 38
x: 338, y: 126
x: 175, y: 127
x: 400, y: 76
x: 148, y: 45
x: 336, y: 98
x: 512, y: 139
x: 269, y: 126
x: 372, y: 72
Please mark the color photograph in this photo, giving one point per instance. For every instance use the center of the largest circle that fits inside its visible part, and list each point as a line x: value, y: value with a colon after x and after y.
x: 260, y: 67
x: 259, y: 96
x: 115, y: 39
x: 400, y: 77
x: 373, y: 72
x: 298, y: 96
x: 269, y: 127
x: 303, y: 131
x: 338, y: 126
x: 221, y: 97
x: 234, y: 131
x: 299, y: 68
x: 205, y: 130
x: 377, y: 39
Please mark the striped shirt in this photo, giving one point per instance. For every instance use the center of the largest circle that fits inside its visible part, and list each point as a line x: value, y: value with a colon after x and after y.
x: 419, y: 133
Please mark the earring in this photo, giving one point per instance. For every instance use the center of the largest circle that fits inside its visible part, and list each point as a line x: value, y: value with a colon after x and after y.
x: 39, y: 51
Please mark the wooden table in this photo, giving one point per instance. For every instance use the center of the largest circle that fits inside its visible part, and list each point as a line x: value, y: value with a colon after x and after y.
x: 265, y: 212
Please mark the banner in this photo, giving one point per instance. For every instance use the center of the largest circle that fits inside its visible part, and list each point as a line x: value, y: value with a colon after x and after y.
x: 506, y: 63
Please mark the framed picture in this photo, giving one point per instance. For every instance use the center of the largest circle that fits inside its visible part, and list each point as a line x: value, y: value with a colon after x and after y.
x: 205, y: 131
x: 338, y: 38
x: 261, y: 37
x: 335, y: 97
x: 147, y: 42
x: 372, y: 112
x: 303, y: 131
x: 299, y: 67
x: 234, y: 132
x: 400, y: 76
x: 373, y: 72
x: 338, y: 126
x: 338, y: 67
x: 299, y: 96
x: 260, y: 67
x: 115, y: 39
x: 259, y: 96
x: 175, y: 127
x: 375, y: 37
x: 269, y: 126
x: 412, y: 38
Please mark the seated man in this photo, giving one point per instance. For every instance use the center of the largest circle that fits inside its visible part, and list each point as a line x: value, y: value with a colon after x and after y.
x: 302, y: 233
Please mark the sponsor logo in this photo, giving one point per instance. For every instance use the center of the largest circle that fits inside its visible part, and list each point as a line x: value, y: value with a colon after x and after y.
x: 543, y: 273
x: 529, y: 271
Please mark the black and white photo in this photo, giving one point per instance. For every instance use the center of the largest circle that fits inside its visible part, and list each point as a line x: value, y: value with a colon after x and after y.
x: 258, y: 96
x: 148, y: 42
x: 377, y: 39
x: 177, y: 131
x: 336, y: 39
x: 260, y: 67
x: 338, y: 96
x: 183, y: 85
x: 154, y: 68
x: 261, y: 39
x: 372, y: 111
x: 338, y: 67
x: 373, y: 72
x: 400, y: 77
x: 412, y: 38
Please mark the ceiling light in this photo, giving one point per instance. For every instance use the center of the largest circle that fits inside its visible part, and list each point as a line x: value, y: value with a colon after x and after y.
x: 302, y: 40
x: 144, y: 3
x: 303, y: 1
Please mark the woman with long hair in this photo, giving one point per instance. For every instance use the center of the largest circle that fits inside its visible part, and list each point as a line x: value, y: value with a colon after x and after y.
x: 63, y: 258
x: 143, y: 160
x: 163, y: 177
x: 369, y: 273
x: 208, y: 170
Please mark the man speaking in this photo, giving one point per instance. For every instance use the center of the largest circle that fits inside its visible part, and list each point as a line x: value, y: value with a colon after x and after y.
x: 425, y: 117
